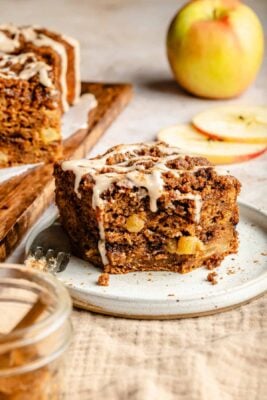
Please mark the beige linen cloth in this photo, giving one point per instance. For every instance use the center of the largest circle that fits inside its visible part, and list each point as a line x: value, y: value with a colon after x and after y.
x: 220, y: 357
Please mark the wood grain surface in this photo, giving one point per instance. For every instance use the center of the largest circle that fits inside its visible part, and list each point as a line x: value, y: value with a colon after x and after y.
x: 24, y: 198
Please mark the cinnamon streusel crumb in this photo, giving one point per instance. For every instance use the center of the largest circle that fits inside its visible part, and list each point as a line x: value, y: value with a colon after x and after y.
x: 103, y: 279
x: 212, y: 278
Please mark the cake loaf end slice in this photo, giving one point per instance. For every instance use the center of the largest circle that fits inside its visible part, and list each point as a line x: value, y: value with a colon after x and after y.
x: 30, y: 116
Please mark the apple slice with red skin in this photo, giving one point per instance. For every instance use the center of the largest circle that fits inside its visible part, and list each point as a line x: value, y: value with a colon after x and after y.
x: 191, y: 142
x: 247, y: 124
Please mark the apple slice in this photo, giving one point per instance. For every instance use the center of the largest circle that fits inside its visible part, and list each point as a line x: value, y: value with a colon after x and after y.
x: 234, y: 123
x: 187, y: 138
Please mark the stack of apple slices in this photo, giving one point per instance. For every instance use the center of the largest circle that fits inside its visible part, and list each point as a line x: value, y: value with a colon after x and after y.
x: 223, y: 135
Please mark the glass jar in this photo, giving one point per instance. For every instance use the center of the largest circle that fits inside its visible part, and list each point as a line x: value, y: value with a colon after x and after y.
x: 35, y: 331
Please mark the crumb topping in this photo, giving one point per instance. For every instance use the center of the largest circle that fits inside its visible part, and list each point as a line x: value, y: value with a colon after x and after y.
x: 25, y: 66
x: 12, y: 37
x: 141, y: 166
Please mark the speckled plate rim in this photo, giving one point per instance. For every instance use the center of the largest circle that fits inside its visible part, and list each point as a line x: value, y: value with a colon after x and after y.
x: 98, y: 310
x: 122, y: 305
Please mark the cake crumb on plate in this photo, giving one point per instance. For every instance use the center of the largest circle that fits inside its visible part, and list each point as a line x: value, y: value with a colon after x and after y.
x: 32, y: 262
x: 212, y: 278
x: 103, y: 279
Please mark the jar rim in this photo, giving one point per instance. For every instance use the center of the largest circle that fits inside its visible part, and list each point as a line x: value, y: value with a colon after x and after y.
x: 49, y: 323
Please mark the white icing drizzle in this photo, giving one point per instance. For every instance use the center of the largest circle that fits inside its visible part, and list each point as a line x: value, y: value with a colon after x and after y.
x: 39, y: 40
x: 31, y: 67
x: 197, y: 200
x: 131, y: 172
x: 102, y: 251
x: 13, y: 29
x: 8, y: 45
x: 37, y: 68
x: 77, y: 59
x: 152, y: 182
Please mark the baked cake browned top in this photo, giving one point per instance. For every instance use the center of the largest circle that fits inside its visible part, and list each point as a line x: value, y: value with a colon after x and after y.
x: 39, y: 79
x: 25, y: 66
x: 147, y: 206
x: 137, y: 165
x: 46, y: 43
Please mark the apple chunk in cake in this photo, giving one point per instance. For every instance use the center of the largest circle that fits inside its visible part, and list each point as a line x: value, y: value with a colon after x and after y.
x: 148, y: 207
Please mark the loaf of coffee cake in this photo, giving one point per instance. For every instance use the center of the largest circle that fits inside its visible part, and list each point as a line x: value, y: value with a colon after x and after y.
x: 39, y: 78
x: 147, y: 207
x: 60, y: 52
x: 29, y: 111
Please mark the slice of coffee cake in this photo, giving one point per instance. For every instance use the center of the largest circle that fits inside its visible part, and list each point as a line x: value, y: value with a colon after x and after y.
x: 148, y: 207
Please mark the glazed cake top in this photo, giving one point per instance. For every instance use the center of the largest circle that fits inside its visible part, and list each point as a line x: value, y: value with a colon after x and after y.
x: 12, y: 36
x: 25, y: 66
x: 140, y: 165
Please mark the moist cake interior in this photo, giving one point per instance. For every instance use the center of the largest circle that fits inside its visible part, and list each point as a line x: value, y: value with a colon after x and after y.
x: 148, y: 207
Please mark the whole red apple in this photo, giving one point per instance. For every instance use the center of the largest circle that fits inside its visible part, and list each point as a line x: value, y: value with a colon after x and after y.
x: 215, y: 47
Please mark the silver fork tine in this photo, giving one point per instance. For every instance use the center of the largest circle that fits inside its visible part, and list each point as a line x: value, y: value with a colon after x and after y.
x: 52, y: 245
x: 51, y: 260
x: 62, y: 261
x: 38, y: 252
x: 50, y: 254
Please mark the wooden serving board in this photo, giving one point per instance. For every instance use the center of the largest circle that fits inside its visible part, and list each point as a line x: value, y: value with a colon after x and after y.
x: 25, y: 197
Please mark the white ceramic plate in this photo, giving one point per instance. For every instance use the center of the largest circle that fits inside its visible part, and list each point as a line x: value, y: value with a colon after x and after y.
x: 241, y: 278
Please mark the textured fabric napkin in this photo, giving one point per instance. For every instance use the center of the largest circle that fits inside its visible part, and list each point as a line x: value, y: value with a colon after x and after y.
x: 220, y: 357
